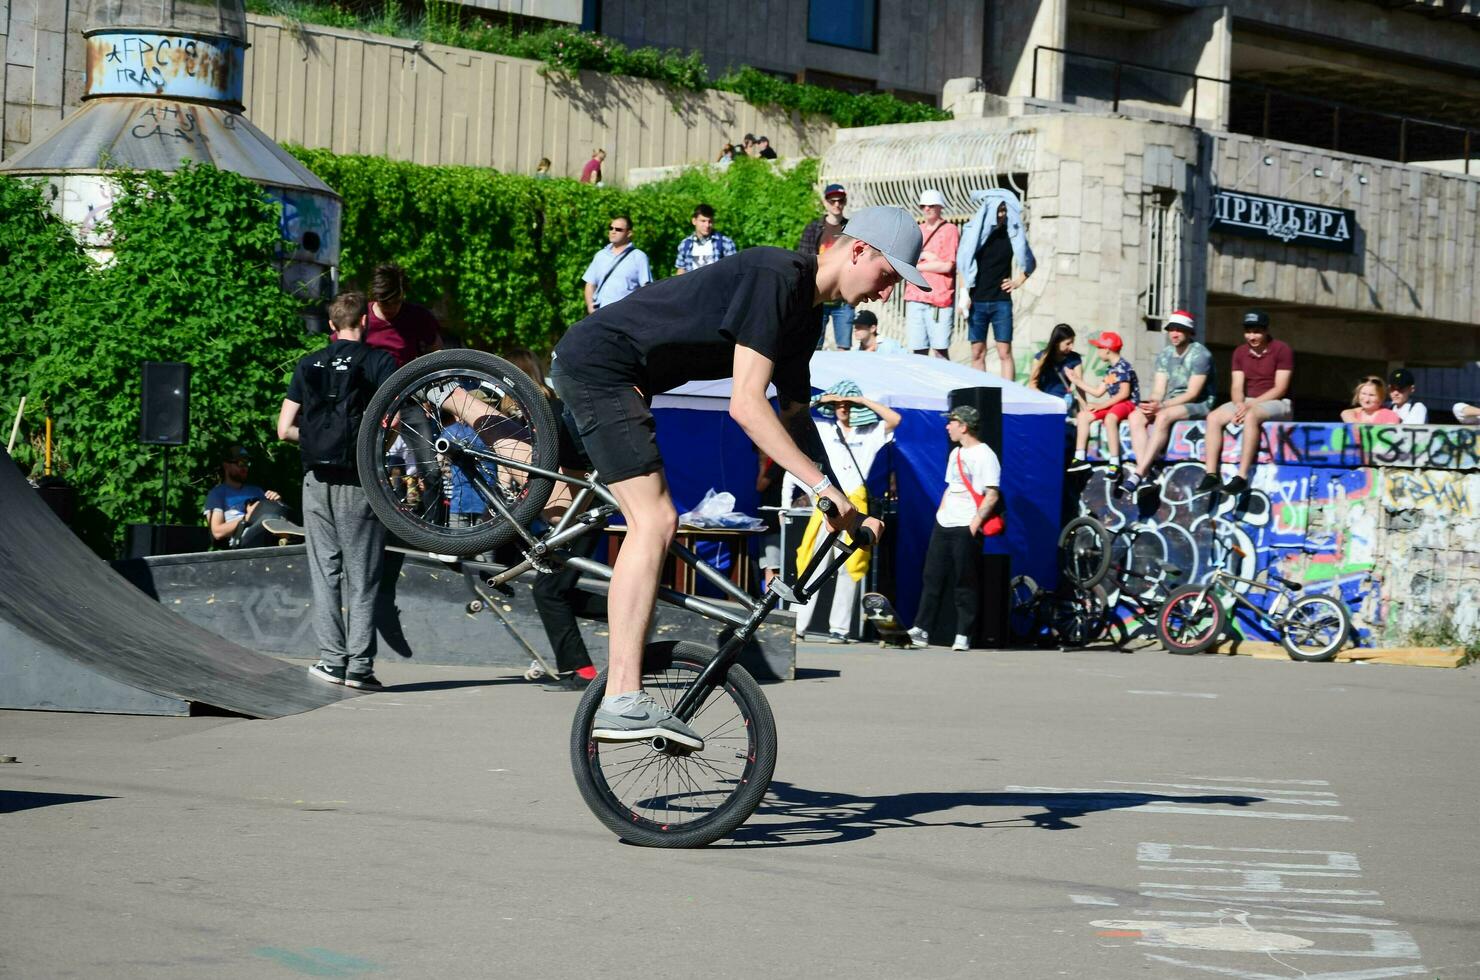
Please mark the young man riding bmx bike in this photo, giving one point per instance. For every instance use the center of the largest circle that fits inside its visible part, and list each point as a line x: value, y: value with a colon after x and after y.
x: 751, y: 317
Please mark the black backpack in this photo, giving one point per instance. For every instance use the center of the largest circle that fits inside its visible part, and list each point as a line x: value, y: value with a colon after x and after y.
x: 334, y: 398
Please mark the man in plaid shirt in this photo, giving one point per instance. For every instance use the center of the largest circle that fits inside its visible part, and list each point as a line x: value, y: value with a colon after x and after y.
x: 705, y: 246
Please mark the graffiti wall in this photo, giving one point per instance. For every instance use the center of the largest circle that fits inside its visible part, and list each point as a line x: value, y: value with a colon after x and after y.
x: 1386, y: 517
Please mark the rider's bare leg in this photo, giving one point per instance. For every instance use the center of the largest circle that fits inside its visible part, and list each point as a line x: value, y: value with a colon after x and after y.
x: 651, y: 523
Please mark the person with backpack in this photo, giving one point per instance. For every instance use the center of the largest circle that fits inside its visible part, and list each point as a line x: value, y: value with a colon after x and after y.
x: 346, y: 543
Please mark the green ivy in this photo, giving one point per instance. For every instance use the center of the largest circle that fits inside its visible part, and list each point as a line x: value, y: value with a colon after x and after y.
x: 566, y: 50
x: 502, y: 255
x: 193, y: 278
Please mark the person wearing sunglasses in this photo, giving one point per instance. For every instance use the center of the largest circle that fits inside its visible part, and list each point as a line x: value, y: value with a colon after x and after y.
x: 618, y: 269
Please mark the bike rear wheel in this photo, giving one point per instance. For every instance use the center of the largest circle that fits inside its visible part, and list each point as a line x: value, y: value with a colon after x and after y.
x: 1084, y: 551
x: 1315, y: 628
x: 1024, y: 620
x: 1191, y: 620
x: 402, y: 424
x: 678, y: 799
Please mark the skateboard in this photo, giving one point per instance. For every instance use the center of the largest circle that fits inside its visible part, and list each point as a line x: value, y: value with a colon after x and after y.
x: 880, y: 612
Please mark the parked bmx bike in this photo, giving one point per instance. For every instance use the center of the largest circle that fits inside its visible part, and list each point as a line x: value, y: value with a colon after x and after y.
x: 654, y: 793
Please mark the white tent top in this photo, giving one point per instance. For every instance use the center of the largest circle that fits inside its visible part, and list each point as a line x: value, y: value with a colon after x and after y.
x: 896, y: 380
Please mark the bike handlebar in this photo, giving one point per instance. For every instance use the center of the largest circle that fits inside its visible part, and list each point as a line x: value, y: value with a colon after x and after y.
x: 863, y: 537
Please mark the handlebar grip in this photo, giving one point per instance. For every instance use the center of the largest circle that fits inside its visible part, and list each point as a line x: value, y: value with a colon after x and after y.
x: 863, y: 537
x: 826, y: 505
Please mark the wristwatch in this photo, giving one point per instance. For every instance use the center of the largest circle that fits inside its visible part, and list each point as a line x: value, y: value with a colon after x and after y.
x: 822, y: 487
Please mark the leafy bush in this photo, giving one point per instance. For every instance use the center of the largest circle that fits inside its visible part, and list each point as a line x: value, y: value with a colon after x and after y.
x: 502, y: 255
x: 567, y: 50
x: 194, y: 279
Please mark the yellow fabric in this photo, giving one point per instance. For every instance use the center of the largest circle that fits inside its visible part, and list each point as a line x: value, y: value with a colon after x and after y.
x: 857, y: 562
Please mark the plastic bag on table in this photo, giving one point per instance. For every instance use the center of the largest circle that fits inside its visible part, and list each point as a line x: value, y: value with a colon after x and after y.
x: 717, y: 510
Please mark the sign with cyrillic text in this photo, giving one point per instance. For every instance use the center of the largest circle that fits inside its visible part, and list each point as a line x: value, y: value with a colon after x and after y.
x: 1288, y: 222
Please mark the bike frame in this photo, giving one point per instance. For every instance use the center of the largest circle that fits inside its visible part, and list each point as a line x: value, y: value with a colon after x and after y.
x: 578, y: 520
x: 1274, y: 616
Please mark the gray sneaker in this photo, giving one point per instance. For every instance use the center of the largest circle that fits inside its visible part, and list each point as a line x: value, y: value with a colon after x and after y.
x: 637, y: 717
x: 919, y: 639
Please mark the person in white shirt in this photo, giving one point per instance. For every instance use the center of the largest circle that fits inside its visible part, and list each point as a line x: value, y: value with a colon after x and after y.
x: 1400, y: 394
x: 853, y: 430
x: 973, y: 476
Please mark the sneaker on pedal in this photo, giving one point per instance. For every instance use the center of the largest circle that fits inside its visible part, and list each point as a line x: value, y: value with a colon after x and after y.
x: 919, y: 639
x: 636, y: 717
x: 327, y: 673
x: 363, y: 682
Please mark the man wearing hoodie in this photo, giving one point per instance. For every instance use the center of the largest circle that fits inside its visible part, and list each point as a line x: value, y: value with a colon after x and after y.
x: 991, y: 241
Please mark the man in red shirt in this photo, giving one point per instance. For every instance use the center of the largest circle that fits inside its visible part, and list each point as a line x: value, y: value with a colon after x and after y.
x: 1260, y: 389
x: 406, y: 330
x: 591, y: 172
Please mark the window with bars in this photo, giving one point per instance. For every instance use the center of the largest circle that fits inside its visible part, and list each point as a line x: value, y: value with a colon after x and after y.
x: 1163, y: 247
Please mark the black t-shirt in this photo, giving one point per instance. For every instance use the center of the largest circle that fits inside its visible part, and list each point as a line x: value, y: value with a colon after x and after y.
x: 370, y: 366
x: 686, y: 328
x: 993, y: 264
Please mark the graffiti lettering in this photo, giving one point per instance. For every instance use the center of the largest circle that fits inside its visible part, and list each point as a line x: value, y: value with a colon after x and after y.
x: 1435, y: 491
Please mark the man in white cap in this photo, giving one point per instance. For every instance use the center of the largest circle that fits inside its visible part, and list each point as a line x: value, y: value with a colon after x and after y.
x: 752, y: 317
x: 930, y: 314
x: 1182, y: 388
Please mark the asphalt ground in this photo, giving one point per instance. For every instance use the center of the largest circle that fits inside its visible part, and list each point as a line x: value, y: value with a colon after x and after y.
x: 1012, y: 814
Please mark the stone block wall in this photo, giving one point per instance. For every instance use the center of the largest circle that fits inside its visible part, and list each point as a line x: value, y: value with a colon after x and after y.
x: 45, y: 68
x: 1388, y: 517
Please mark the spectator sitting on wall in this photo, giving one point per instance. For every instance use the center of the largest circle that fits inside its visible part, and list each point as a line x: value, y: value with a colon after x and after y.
x: 1400, y: 398
x: 405, y: 330
x: 591, y: 172
x: 1260, y: 392
x: 1182, y: 388
x: 617, y: 269
x: 705, y: 246
x: 1466, y: 414
x: 748, y: 144
x: 866, y: 335
x: 232, y: 500
x: 726, y: 155
x: 542, y: 169
x: 1367, y: 406
x: 1122, y: 390
x: 763, y: 148
x: 1056, y: 367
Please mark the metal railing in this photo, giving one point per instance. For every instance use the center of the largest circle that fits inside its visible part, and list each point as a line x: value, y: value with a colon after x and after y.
x: 1266, y: 111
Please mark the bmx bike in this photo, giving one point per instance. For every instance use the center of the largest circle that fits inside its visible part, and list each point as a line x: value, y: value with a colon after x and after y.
x: 1311, y: 628
x: 655, y: 792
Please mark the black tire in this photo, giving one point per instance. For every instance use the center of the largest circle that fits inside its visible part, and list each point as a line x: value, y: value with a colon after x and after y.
x: 1191, y: 620
x: 522, y: 427
x: 679, y: 800
x: 1084, y: 552
x: 1316, y: 627
x: 1024, y: 620
x: 1078, y: 618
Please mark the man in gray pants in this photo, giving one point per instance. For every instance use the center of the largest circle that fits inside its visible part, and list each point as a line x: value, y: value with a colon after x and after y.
x: 346, y: 543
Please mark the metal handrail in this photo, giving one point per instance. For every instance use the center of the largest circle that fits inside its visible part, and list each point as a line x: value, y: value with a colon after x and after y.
x: 1269, y: 90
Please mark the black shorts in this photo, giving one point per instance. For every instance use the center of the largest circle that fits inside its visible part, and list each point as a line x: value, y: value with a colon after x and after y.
x: 615, y: 426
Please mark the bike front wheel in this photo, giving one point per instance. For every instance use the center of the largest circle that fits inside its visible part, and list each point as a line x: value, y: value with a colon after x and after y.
x: 431, y: 500
x: 1191, y: 620
x: 675, y: 798
x: 1084, y: 551
x: 1315, y: 628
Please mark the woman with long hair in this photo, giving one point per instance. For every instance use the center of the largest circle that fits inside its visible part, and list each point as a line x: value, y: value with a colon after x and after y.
x: 1056, y: 367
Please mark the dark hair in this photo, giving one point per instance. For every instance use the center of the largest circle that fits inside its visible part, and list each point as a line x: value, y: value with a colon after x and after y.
x: 1051, y: 359
x: 622, y: 217
x: 346, y: 309
x: 704, y: 211
x: 388, y: 282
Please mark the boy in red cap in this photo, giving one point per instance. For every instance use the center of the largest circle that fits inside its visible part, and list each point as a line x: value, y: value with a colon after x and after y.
x: 1121, y: 390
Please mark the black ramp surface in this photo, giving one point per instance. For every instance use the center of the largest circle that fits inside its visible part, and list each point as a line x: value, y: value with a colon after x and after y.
x: 73, y: 617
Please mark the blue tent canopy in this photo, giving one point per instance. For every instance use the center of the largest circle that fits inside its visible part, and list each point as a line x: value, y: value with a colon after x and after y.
x: 703, y: 448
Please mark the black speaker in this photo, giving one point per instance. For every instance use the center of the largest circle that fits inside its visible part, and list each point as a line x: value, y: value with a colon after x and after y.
x: 988, y: 404
x: 994, y: 579
x: 164, y: 419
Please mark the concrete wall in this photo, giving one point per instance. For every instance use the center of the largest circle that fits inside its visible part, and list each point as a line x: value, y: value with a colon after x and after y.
x: 1388, y: 517
x: 359, y: 93
x: 920, y: 44
x: 1416, y: 254
x: 44, y: 70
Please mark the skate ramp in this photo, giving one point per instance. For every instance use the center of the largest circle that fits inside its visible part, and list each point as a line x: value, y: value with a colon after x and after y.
x: 76, y: 636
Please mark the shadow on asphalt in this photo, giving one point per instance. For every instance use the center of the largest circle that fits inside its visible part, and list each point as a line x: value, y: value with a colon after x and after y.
x: 15, y: 800
x: 816, y: 673
x: 449, y: 685
x: 837, y: 818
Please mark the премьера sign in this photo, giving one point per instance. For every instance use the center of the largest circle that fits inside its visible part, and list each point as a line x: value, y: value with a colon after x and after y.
x: 1288, y: 222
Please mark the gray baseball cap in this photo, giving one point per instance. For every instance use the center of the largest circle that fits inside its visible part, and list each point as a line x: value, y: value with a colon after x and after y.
x: 893, y: 232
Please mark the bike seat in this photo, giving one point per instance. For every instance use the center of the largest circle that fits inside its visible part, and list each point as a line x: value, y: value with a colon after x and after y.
x: 1286, y: 582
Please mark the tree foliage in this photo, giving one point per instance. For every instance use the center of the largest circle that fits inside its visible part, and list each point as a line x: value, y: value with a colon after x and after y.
x: 502, y: 255
x: 193, y: 278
